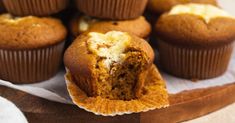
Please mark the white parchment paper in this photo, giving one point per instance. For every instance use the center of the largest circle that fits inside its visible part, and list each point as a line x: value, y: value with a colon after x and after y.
x: 55, y: 88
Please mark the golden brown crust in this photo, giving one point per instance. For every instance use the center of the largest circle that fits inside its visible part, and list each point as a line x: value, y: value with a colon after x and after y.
x: 161, y: 6
x: 34, y: 7
x: 139, y: 27
x: 113, y: 9
x: 30, y: 32
x: 82, y: 64
x: 155, y: 97
x: 191, y: 30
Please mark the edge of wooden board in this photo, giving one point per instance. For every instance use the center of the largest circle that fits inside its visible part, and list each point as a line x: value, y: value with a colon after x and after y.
x: 184, y: 106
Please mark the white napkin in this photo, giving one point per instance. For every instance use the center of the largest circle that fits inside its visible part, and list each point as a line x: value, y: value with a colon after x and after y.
x: 9, y: 113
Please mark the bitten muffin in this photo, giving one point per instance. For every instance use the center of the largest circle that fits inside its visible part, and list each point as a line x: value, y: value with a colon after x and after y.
x: 112, y: 9
x: 139, y: 27
x: 34, y: 7
x: 195, y: 41
x: 161, y: 6
x: 111, y: 66
x: 30, y: 48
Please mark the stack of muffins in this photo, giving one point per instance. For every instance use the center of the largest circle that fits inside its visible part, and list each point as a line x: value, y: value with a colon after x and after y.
x: 31, y: 47
x: 110, y: 69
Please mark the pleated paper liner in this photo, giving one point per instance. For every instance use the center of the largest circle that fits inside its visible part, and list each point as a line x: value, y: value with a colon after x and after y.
x: 191, y: 63
x: 155, y: 97
x: 112, y: 9
x: 29, y: 66
x: 34, y: 7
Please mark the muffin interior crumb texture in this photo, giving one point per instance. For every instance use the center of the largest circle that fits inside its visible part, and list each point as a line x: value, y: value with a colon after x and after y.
x: 205, y: 11
x: 118, y: 66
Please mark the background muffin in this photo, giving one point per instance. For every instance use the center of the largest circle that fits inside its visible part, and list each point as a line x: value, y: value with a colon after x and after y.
x: 195, y: 41
x: 161, y: 6
x: 30, y: 47
x: 112, y: 9
x: 34, y: 7
x: 139, y: 27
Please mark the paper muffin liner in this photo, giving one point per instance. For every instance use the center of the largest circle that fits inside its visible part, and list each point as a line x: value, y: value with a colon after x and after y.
x: 155, y: 97
x: 34, y: 7
x: 29, y: 66
x: 194, y: 63
x: 113, y: 9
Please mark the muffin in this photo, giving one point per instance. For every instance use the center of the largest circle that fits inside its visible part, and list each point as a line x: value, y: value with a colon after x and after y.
x: 34, y: 7
x: 195, y: 41
x: 139, y: 27
x: 112, y: 9
x: 113, y: 67
x: 161, y: 6
x: 30, y: 48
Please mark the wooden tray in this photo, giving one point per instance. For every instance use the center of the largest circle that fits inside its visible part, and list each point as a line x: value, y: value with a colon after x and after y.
x: 184, y: 106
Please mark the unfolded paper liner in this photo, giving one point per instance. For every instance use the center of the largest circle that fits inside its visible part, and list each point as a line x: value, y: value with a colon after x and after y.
x: 155, y: 97
x: 113, y: 9
x: 29, y: 66
x: 192, y: 63
x: 34, y: 7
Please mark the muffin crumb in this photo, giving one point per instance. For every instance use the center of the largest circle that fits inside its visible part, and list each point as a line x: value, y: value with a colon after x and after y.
x: 117, y: 65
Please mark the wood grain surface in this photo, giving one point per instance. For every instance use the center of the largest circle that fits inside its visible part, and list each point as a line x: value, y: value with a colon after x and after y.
x: 184, y: 106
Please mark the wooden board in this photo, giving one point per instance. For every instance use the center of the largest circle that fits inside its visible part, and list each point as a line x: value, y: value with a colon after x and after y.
x: 184, y: 106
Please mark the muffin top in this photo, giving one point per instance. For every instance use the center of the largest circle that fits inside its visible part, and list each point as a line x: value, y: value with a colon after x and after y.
x: 196, y: 25
x: 139, y: 27
x: 161, y: 6
x: 81, y: 57
x: 30, y: 32
x: 110, y: 45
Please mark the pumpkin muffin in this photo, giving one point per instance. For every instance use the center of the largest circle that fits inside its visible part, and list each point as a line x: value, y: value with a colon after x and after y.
x: 161, y: 6
x: 112, y: 9
x: 112, y: 66
x: 139, y: 27
x: 34, y: 7
x: 195, y: 41
x: 30, y: 48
